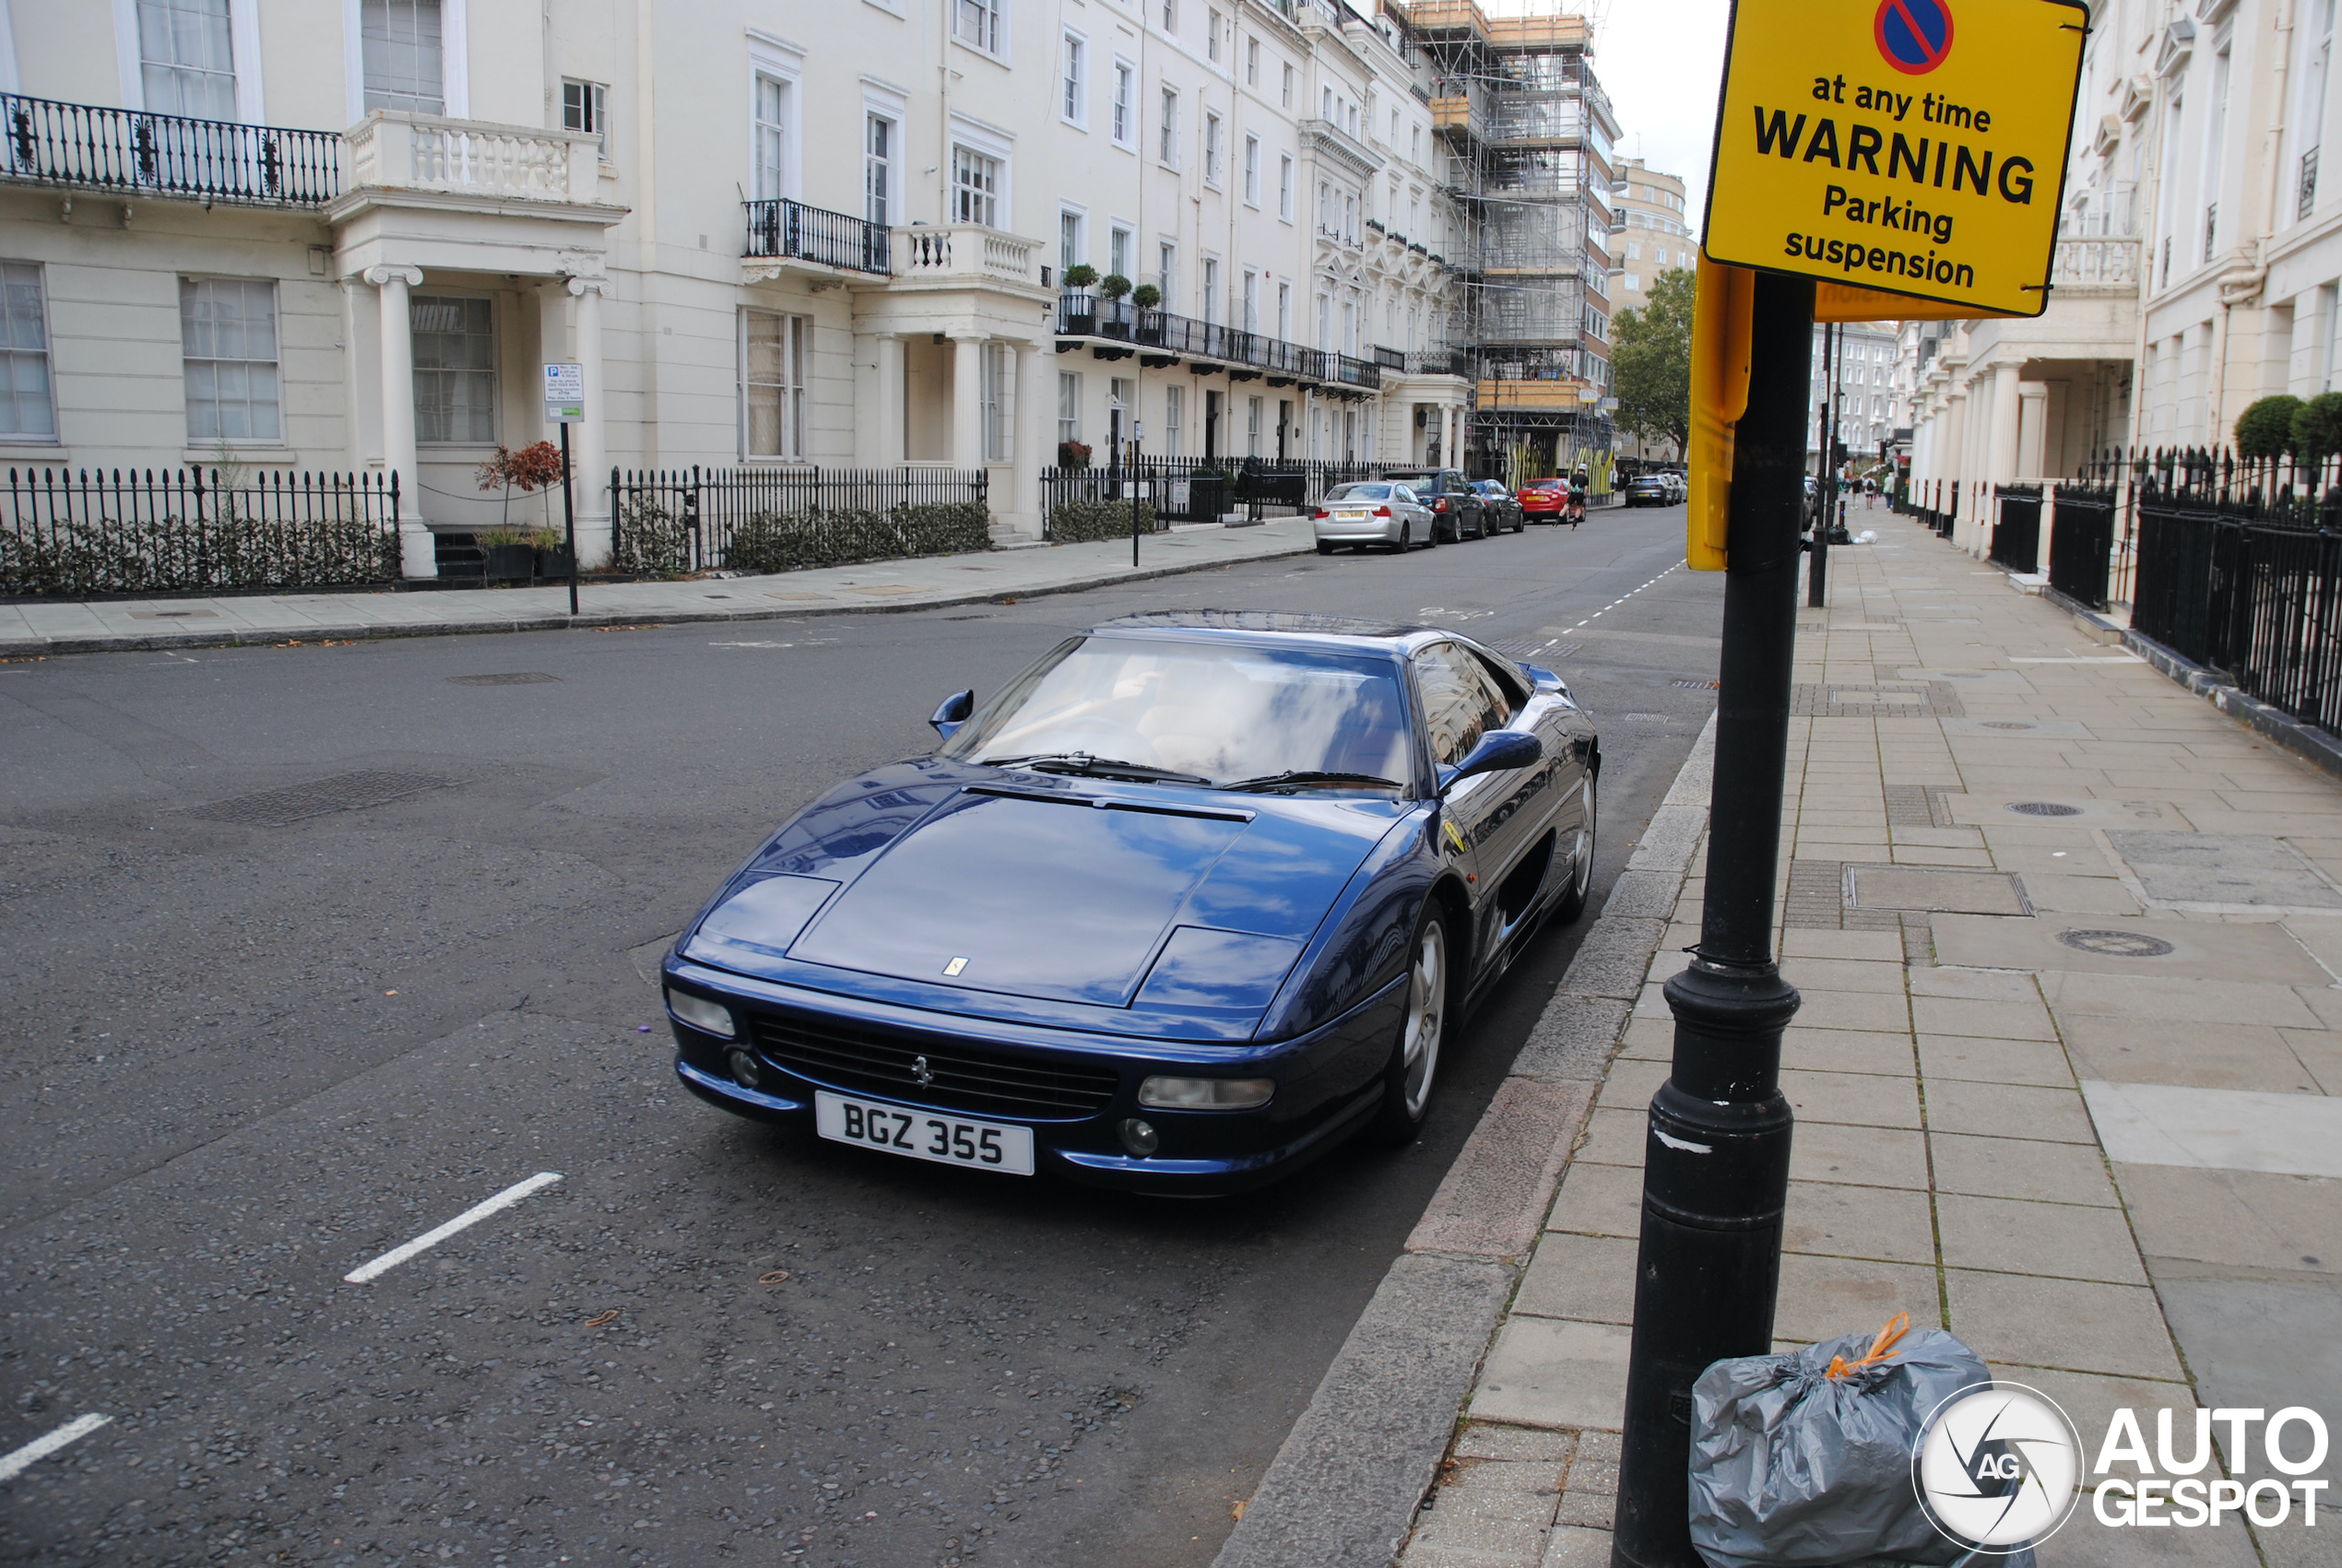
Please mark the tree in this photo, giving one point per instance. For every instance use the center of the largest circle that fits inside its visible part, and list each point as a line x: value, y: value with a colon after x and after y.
x: 1651, y: 362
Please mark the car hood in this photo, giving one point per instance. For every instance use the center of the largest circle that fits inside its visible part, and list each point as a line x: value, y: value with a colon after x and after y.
x: 980, y: 885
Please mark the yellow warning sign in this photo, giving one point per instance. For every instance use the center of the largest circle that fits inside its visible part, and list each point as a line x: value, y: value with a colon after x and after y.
x: 1913, y: 146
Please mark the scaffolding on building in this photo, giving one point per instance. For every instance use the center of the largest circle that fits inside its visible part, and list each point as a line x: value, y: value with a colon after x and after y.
x: 1529, y: 132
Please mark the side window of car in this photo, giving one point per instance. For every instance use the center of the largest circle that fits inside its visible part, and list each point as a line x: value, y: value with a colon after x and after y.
x: 1512, y: 693
x: 1457, y: 699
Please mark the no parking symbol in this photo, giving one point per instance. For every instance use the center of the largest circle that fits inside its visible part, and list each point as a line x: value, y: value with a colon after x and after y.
x: 1914, y: 35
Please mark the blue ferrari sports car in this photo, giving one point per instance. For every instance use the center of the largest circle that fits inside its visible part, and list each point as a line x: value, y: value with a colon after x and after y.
x: 1191, y: 901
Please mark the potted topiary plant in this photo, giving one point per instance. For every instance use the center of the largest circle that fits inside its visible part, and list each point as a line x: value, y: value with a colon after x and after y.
x: 1113, y: 286
x: 533, y: 468
x: 506, y: 554
x: 553, y: 553
x: 1079, y: 275
x: 1147, y: 297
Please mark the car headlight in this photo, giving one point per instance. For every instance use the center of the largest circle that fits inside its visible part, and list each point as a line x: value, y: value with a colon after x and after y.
x: 1206, y: 1093
x: 709, y: 1018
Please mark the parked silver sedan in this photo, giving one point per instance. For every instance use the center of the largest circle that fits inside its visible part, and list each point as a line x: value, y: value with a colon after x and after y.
x: 1373, y: 512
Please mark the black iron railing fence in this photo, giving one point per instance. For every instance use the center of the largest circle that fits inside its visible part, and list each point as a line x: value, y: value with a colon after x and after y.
x: 78, y: 532
x: 784, y: 227
x: 668, y: 521
x: 2017, y: 527
x: 2081, y: 553
x: 1161, y: 332
x: 80, y: 145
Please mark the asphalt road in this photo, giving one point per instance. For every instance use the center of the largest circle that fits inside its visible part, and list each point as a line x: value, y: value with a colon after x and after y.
x: 254, y: 1032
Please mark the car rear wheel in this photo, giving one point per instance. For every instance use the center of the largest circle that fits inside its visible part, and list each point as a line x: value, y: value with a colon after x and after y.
x: 1414, y: 1056
x: 1581, y: 874
x: 1406, y: 542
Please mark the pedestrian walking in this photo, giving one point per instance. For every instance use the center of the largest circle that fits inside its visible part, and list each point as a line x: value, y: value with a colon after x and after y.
x: 1576, y: 499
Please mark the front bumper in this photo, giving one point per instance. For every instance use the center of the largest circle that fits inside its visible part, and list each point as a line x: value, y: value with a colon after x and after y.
x: 1327, y: 1080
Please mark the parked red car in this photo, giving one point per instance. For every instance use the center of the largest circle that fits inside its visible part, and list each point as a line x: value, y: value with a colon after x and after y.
x: 1541, y: 501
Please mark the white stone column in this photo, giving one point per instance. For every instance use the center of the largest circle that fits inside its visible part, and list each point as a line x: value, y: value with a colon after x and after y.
x: 1036, y: 423
x: 415, y: 554
x: 892, y: 438
x: 1947, y: 474
x: 870, y: 355
x: 589, y: 442
x: 2032, y: 429
x: 967, y: 403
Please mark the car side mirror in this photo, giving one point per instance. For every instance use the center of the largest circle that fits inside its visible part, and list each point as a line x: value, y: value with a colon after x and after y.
x: 955, y: 712
x: 1499, y: 751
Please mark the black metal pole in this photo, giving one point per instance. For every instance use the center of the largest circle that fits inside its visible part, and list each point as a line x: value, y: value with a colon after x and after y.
x: 1716, y: 1155
x: 569, y: 518
x: 1817, y: 572
x: 1134, y: 504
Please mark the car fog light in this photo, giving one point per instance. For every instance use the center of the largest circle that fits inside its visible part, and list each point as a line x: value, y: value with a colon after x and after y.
x: 710, y: 1017
x: 744, y: 1070
x: 1206, y: 1093
x: 1137, y: 1136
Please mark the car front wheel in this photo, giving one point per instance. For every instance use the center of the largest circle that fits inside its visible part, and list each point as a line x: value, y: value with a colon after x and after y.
x: 1414, y: 1056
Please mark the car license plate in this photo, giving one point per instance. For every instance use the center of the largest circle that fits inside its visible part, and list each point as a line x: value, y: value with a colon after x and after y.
x: 924, y: 1134
x: 1350, y: 516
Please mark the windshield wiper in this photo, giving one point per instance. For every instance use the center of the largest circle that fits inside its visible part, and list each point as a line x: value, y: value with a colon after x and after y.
x: 1082, y: 762
x: 1308, y: 777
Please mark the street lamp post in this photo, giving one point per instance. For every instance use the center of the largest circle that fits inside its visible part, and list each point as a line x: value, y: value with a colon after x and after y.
x: 1716, y: 1155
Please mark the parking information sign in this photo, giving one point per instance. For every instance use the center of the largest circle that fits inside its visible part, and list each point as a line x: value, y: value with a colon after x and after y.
x: 1914, y: 146
x: 565, y: 394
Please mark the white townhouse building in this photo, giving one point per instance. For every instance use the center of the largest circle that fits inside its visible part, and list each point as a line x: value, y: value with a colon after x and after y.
x: 1857, y: 378
x: 344, y: 235
x: 2198, y: 266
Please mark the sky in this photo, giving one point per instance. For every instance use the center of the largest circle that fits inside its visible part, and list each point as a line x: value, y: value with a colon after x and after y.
x: 1661, y: 61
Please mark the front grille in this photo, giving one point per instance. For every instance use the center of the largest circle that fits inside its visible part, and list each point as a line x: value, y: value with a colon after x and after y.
x: 960, y: 1076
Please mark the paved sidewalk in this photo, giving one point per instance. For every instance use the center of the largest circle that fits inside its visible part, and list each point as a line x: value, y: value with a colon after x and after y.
x: 2068, y: 940
x: 72, y: 627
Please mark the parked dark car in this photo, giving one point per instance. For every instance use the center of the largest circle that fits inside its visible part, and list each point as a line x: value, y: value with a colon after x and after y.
x: 1186, y: 904
x: 1454, y: 503
x: 1648, y: 490
x: 1500, y: 505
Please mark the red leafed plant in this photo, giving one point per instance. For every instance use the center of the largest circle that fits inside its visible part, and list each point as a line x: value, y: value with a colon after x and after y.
x: 533, y: 467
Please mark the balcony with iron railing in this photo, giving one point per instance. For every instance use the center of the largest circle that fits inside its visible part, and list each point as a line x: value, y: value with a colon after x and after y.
x: 84, y: 146
x: 790, y: 231
x: 1161, y: 332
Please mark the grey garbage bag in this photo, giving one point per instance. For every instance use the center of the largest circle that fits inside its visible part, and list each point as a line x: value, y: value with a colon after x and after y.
x: 1794, y: 1468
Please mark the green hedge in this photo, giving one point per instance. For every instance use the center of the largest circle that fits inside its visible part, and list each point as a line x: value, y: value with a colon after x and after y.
x: 651, y: 542
x: 171, y: 554
x: 1074, y: 521
x: 775, y: 542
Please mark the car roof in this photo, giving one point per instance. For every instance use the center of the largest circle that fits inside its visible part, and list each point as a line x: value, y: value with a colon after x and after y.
x: 1273, y: 626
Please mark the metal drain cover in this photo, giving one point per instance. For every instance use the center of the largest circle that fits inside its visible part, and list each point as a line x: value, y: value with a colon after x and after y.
x: 2117, y: 944
x: 523, y: 677
x: 320, y: 797
x: 2043, y: 808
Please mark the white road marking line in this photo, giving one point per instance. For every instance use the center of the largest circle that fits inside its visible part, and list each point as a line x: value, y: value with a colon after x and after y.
x: 14, y: 1463
x: 469, y: 1217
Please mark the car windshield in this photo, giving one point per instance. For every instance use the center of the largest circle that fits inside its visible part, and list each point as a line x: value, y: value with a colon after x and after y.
x: 1359, y: 492
x: 1225, y: 711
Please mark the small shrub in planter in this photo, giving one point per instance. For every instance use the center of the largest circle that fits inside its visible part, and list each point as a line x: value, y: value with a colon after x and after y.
x: 552, y: 550
x: 1080, y: 276
x: 1146, y: 296
x: 509, y: 556
x: 1073, y: 455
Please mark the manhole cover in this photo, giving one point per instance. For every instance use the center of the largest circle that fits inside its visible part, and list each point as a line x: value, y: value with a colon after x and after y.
x: 1694, y: 685
x: 2043, y: 808
x: 523, y: 677
x: 2116, y: 944
x: 321, y: 798
x: 2007, y: 724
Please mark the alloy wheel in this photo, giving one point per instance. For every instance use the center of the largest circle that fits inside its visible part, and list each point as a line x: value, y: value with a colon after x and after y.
x: 1426, y: 1009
